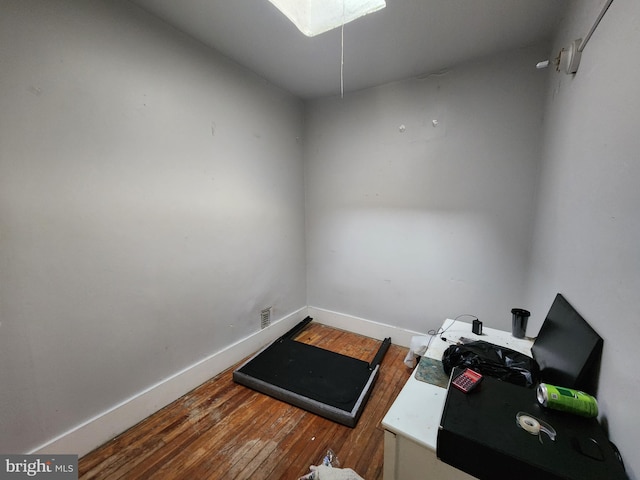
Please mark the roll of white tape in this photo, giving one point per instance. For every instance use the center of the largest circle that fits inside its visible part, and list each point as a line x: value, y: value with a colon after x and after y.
x: 534, y: 426
x: 529, y: 424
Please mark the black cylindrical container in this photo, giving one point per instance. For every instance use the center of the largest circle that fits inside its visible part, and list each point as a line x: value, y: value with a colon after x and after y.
x: 519, y: 322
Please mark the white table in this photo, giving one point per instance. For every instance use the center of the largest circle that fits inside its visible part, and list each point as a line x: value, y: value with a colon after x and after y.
x: 411, y: 424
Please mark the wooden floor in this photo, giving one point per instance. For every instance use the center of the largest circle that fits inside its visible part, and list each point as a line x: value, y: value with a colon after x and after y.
x: 222, y: 430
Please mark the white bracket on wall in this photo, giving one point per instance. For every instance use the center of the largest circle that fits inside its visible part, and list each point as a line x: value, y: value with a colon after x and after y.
x: 568, y: 60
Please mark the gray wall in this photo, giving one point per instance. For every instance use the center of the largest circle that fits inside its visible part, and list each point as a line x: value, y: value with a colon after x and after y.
x: 587, y: 233
x: 412, y: 227
x: 151, y: 204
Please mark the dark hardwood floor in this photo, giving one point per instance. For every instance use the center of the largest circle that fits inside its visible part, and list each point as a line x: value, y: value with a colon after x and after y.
x: 222, y: 430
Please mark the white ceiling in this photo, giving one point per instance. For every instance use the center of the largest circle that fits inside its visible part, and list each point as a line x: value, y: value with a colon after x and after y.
x: 408, y: 38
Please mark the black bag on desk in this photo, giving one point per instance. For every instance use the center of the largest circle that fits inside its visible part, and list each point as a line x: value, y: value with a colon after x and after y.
x: 492, y: 360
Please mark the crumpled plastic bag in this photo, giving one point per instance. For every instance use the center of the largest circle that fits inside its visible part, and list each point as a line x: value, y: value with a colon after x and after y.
x: 417, y: 348
x: 326, y: 472
x: 492, y: 360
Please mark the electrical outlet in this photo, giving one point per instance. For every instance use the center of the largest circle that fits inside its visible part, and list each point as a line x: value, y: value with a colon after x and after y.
x: 265, y: 318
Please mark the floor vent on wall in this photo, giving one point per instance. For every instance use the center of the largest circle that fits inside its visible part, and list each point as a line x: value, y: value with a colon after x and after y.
x: 265, y: 318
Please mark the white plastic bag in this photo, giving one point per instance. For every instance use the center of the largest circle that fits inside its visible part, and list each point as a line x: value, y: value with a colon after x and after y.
x: 329, y: 469
x: 326, y: 472
x: 417, y: 348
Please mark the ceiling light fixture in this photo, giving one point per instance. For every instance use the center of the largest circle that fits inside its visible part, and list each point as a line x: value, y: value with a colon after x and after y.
x: 313, y: 17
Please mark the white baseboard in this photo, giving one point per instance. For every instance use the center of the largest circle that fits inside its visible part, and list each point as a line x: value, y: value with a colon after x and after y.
x: 94, y: 432
x: 368, y: 328
x: 91, y: 434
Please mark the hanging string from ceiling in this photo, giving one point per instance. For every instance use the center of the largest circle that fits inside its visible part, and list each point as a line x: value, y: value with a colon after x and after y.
x: 342, y: 54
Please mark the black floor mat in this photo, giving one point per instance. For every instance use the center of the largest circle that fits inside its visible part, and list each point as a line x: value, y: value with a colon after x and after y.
x: 327, y: 383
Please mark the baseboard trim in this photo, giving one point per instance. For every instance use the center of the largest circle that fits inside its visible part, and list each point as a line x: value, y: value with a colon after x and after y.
x: 369, y: 328
x: 94, y: 432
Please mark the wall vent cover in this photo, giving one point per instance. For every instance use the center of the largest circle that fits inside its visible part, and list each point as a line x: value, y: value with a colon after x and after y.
x: 265, y: 318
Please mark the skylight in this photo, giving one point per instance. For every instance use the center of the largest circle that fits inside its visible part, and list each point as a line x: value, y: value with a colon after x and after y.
x: 313, y: 17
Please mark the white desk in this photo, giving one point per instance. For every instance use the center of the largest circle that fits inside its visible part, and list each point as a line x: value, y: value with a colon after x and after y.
x: 411, y: 424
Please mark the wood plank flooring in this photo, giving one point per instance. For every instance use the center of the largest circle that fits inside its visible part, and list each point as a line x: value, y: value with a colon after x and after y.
x: 222, y: 430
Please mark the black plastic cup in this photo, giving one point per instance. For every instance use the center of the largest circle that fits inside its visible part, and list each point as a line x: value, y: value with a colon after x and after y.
x: 519, y: 322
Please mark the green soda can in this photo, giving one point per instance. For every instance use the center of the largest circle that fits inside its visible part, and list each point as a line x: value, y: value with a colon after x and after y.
x: 567, y: 400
